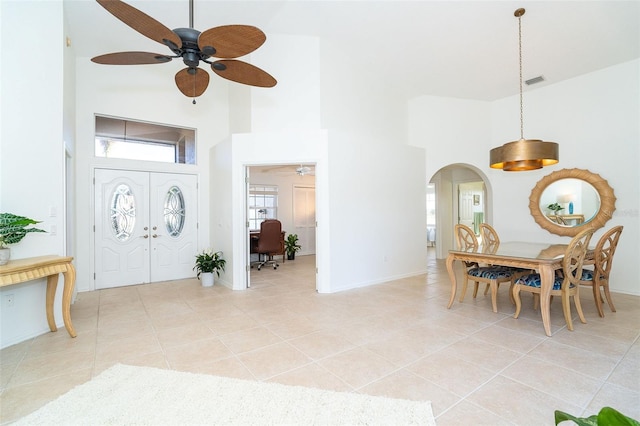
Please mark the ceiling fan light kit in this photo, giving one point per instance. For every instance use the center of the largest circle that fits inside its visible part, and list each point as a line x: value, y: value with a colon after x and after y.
x: 303, y: 170
x: 523, y: 154
x: 226, y: 42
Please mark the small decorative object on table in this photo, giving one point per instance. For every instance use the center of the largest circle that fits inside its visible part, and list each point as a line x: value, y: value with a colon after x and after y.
x: 291, y: 246
x: 13, y: 229
x: 207, y: 263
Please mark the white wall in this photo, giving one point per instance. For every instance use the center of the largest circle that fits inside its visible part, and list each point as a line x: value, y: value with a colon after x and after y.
x: 294, y: 103
x: 593, y: 117
x: 32, y: 152
x: 377, y: 183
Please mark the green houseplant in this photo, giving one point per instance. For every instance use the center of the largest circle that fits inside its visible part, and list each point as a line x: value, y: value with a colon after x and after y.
x: 606, y: 416
x: 13, y: 229
x: 207, y: 263
x: 291, y: 246
x: 555, y: 208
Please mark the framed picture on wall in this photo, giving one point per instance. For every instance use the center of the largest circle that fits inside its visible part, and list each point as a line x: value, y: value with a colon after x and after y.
x: 476, y: 200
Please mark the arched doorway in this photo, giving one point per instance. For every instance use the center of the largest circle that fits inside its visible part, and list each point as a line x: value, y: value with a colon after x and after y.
x: 463, y: 194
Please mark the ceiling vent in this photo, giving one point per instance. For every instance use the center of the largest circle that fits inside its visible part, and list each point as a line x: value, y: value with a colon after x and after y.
x: 534, y: 80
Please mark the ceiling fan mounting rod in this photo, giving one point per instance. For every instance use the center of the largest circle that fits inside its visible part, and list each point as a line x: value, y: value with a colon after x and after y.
x: 190, y: 13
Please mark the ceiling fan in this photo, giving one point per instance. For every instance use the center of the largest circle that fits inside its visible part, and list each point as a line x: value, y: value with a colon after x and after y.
x: 286, y: 169
x: 304, y: 170
x: 193, y: 46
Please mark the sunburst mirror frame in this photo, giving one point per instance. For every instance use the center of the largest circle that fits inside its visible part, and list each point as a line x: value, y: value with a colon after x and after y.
x: 605, y: 192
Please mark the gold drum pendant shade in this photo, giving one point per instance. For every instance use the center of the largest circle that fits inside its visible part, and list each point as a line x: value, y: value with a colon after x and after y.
x: 523, y: 154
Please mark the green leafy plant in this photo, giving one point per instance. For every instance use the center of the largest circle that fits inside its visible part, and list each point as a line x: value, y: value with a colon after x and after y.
x: 208, y: 261
x: 14, y: 228
x: 606, y: 416
x: 555, y: 207
x: 291, y: 244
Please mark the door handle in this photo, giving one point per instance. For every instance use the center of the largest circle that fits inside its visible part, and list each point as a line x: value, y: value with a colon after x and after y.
x: 144, y: 236
x: 155, y: 235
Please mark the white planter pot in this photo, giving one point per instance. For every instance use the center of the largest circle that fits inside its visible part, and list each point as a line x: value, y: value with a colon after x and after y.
x: 207, y: 279
x: 5, y: 255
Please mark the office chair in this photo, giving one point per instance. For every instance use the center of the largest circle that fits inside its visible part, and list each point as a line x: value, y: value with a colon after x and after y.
x: 270, y: 242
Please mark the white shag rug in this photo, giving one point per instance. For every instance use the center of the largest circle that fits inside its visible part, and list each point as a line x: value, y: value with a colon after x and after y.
x: 126, y: 395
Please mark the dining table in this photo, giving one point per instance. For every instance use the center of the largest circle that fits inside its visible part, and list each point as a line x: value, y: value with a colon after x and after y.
x: 543, y: 257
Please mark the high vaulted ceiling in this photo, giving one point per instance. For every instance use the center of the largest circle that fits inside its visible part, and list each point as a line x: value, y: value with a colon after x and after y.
x: 462, y: 49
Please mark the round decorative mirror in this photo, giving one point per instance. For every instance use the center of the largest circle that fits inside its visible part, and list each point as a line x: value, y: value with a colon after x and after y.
x: 568, y: 199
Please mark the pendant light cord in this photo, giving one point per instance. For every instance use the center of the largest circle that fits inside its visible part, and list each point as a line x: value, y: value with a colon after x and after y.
x: 520, y: 62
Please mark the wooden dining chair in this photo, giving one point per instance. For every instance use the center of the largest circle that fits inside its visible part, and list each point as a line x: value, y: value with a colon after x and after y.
x: 598, y: 276
x: 493, y: 276
x: 490, y: 243
x: 566, y: 284
x: 489, y: 235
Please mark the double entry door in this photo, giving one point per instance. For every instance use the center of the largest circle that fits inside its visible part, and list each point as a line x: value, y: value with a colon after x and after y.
x: 145, y: 227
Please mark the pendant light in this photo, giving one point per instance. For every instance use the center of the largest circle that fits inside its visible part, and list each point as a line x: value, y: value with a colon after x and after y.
x: 523, y: 154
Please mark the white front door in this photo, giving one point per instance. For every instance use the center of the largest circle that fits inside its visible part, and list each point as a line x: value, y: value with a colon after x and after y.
x: 304, y: 218
x: 145, y: 227
x: 465, y: 205
x: 174, y: 235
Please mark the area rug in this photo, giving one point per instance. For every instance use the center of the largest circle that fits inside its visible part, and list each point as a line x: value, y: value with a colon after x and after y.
x: 126, y: 395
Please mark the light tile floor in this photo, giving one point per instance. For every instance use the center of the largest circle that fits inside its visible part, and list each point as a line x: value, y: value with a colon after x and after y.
x: 395, y: 339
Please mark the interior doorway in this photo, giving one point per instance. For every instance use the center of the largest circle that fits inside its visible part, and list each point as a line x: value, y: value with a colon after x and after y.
x: 431, y: 214
x: 471, y: 207
x: 294, y: 185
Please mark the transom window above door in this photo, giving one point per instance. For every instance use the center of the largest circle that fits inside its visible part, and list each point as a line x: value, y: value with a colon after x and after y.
x: 137, y: 140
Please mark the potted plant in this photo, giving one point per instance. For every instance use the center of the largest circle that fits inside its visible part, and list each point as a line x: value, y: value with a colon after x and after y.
x: 606, y: 416
x: 291, y: 246
x: 555, y: 208
x: 13, y: 229
x: 207, y: 263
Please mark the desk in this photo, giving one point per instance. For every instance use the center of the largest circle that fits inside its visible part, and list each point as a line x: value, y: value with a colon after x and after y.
x: 21, y: 270
x: 254, y: 236
x: 545, y: 258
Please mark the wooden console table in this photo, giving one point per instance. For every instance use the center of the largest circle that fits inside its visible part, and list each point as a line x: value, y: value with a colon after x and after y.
x: 21, y: 270
x: 564, y: 218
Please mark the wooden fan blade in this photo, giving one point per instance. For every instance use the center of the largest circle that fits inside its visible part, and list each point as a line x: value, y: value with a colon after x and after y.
x: 242, y: 72
x: 131, y: 58
x: 231, y: 41
x: 142, y: 23
x: 192, y: 82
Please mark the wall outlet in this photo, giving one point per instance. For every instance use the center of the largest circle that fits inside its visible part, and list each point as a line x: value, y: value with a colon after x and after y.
x: 8, y: 300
